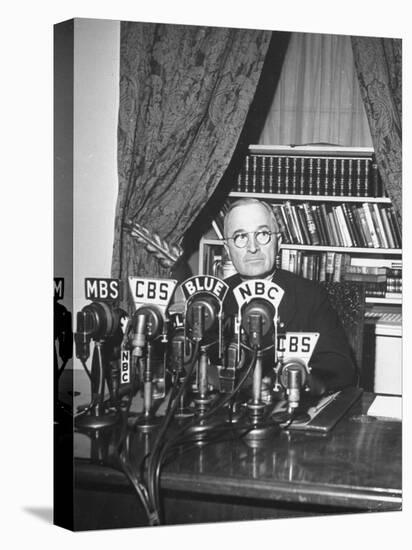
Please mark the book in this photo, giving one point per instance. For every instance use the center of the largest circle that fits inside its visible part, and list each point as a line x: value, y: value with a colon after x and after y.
x: 393, y: 295
x: 364, y: 278
x: 285, y: 259
x: 253, y: 178
x: 368, y: 216
x: 356, y: 225
x: 270, y: 175
x: 373, y: 289
x: 303, y: 224
x: 343, y: 226
x: 373, y: 261
x: 364, y: 227
x: 379, y: 226
x: 351, y: 225
x: 293, y: 258
x: 387, y: 228
x: 395, y: 227
x: 367, y: 270
x: 322, y: 267
x: 283, y: 230
x: 337, y: 268
x: 304, y: 271
x: 292, y: 216
x: 317, y: 218
x: 311, y: 225
x: 330, y: 264
x: 336, y: 238
x: 326, y: 224
x: 287, y: 210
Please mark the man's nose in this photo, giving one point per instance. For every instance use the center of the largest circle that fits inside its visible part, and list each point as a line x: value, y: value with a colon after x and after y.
x: 252, y: 245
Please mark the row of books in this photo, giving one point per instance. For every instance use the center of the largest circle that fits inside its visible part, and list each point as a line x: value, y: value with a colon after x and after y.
x: 379, y: 281
x: 336, y: 267
x: 322, y: 266
x: 369, y: 225
x: 308, y: 175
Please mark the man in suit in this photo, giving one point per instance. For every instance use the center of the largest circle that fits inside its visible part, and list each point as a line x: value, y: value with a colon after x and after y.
x: 251, y: 240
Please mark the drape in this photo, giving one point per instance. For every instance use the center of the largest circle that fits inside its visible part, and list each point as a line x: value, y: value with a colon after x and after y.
x: 318, y: 97
x: 379, y: 66
x: 185, y: 92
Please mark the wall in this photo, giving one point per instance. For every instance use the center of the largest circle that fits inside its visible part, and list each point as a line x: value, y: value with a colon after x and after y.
x: 96, y: 102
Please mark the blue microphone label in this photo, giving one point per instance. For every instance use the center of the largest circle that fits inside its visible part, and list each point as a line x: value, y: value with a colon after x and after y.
x: 204, y: 283
x: 102, y: 289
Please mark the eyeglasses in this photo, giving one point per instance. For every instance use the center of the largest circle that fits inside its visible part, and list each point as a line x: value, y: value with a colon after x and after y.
x: 262, y: 237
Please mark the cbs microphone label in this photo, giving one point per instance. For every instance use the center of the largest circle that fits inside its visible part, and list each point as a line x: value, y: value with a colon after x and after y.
x: 157, y: 292
x: 297, y: 344
x: 204, y: 283
x: 102, y: 289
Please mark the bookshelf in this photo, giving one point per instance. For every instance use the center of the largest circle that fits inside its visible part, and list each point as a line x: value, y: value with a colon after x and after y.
x: 340, y: 187
x: 358, y: 250
x: 311, y: 198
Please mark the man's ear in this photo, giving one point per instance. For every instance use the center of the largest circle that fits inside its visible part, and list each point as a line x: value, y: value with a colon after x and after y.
x: 227, y: 249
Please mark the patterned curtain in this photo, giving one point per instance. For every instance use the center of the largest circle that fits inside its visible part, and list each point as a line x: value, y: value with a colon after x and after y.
x: 185, y: 92
x: 379, y: 65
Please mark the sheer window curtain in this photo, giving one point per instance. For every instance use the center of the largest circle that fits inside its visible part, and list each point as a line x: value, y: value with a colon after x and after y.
x: 318, y: 97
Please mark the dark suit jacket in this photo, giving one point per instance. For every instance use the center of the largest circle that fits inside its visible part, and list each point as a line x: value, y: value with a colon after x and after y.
x: 305, y: 307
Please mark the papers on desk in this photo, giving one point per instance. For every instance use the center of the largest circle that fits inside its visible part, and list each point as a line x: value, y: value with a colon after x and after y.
x: 387, y: 406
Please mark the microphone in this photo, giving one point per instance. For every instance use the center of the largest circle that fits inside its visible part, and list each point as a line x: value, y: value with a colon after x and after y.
x: 177, y: 358
x: 147, y: 327
x: 257, y: 320
x: 293, y: 368
x: 83, y: 335
x: 63, y: 331
x: 138, y: 340
x: 153, y: 324
x: 293, y: 378
x: 201, y: 315
x: 258, y: 302
x: 101, y: 322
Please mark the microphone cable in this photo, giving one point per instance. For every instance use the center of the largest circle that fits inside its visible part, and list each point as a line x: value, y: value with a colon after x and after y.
x: 172, y: 441
x: 152, y: 458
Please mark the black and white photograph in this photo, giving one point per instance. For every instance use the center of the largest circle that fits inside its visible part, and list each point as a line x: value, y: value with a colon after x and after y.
x: 228, y: 311
x: 233, y: 287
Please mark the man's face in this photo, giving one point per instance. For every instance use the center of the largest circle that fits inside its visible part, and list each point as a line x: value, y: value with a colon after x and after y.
x: 254, y: 260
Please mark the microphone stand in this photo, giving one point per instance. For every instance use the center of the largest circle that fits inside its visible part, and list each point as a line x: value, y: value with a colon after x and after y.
x: 259, y: 427
x: 178, y: 355
x: 97, y: 418
x: 147, y: 421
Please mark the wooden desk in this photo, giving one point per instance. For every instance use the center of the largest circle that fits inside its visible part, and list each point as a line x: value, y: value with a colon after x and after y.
x: 355, y: 467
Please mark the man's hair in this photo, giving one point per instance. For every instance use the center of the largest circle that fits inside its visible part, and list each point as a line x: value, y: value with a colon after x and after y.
x: 246, y: 202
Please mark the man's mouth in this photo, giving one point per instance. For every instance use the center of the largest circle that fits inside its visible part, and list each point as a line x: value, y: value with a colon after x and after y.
x: 253, y: 260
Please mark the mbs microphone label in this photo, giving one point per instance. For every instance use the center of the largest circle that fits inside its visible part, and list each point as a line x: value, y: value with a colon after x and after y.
x: 102, y: 289
x: 58, y: 288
